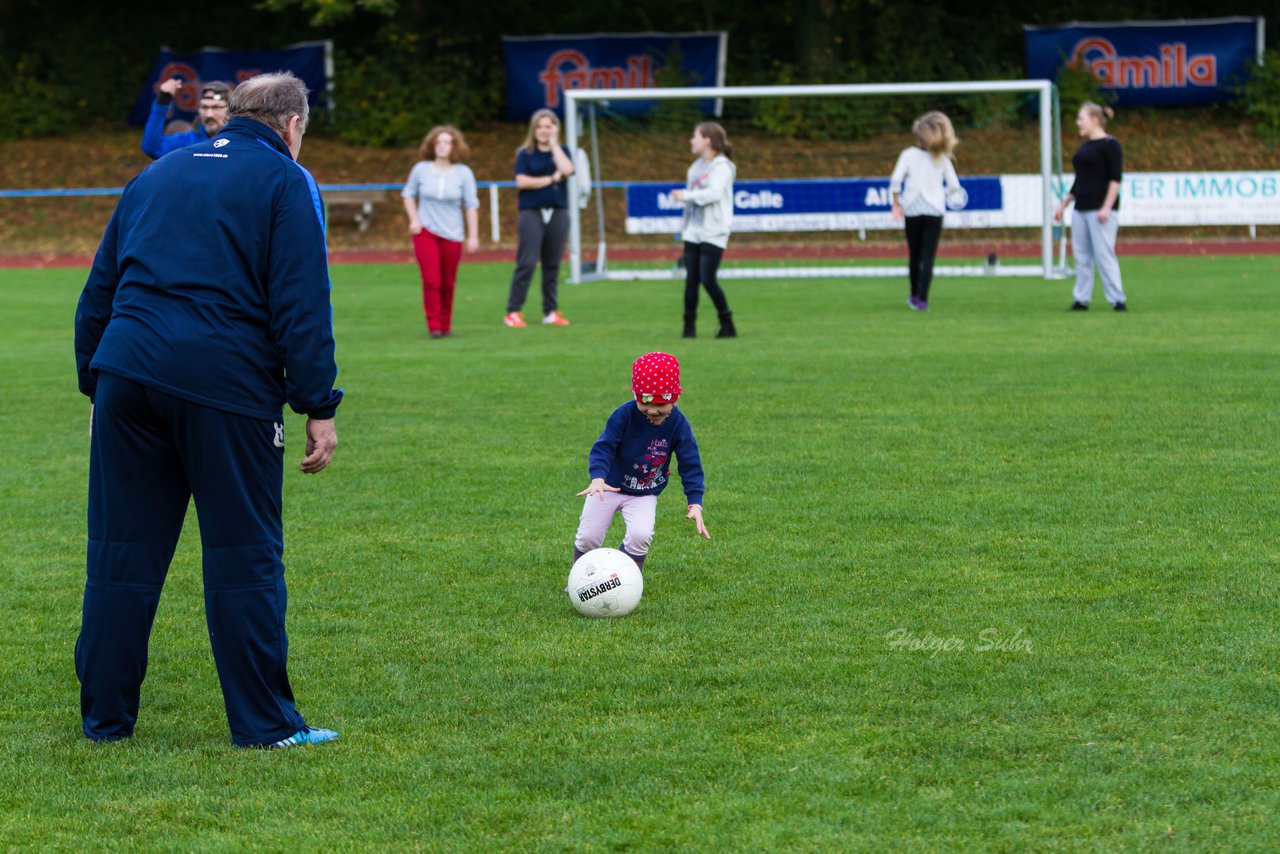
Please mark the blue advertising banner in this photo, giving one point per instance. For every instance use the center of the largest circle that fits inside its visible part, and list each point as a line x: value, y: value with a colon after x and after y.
x: 1152, y: 63
x: 541, y: 68
x: 828, y: 205
x: 312, y: 62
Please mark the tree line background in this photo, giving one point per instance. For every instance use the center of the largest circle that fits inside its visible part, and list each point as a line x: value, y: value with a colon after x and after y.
x: 405, y: 64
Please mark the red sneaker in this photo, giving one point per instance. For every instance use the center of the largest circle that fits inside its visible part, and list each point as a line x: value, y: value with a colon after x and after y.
x: 555, y: 318
x: 515, y: 319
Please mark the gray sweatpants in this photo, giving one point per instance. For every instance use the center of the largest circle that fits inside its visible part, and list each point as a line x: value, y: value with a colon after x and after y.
x: 538, y: 241
x: 1094, y: 245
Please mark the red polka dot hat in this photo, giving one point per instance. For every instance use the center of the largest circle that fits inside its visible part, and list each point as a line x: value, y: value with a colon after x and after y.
x: 655, y: 378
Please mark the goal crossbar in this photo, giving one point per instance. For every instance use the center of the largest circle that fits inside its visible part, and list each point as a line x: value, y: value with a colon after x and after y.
x: 1043, y: 88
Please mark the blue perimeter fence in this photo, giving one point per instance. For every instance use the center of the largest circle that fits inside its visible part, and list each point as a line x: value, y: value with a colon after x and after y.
x: 115, y: 191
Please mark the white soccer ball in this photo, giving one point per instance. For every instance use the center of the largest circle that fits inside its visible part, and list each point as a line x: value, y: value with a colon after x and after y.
x: 605, y: 583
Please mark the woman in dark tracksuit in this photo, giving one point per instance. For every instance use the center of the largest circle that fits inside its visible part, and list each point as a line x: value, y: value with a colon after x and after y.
x: 542, y: 165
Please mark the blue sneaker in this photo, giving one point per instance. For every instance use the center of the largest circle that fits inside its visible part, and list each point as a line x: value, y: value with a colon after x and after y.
x: 306, y: 735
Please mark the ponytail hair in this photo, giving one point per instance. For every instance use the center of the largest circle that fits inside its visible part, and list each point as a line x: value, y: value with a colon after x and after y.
x: 1101, y: 112
x: 714, y: 133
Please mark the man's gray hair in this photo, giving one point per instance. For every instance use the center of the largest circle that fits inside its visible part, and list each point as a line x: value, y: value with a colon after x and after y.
x: 272, y: 99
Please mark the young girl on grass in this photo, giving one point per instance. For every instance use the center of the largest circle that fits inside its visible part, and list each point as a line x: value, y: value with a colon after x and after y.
x: 923, y: 178
x: 630, y: 463
x: 439, y: 195
x: 708, y: 218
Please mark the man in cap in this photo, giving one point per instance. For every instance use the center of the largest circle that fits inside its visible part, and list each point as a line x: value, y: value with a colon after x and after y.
x: 211, y: 118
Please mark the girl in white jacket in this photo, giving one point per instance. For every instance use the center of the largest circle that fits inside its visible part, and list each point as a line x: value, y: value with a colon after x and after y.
x: 708, y: 219
x: 923, y: 179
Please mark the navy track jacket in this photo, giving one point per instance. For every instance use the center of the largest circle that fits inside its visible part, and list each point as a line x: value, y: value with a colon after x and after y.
x: 212, y: 281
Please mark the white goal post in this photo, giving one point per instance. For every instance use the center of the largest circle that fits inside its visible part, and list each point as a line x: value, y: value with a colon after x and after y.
x: 575, y: 99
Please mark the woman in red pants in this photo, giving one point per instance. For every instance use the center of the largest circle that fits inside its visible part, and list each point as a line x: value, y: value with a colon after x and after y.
x: 440, y: 190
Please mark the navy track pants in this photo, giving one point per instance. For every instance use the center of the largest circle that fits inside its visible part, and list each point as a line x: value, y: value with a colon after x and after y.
x: 150, y: 453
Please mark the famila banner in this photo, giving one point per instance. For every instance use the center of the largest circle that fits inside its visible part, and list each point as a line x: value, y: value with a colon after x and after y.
x: 1152, y: 63
x: 541, y: 68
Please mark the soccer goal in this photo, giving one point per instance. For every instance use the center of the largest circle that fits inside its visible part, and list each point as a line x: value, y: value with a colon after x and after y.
x: 813, y: 165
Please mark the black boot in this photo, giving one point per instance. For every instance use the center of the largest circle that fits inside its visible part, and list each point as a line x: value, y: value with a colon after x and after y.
x: 727, y: 329
x: 639, y: 559
x: 690, y: 326
x: 576, y: 555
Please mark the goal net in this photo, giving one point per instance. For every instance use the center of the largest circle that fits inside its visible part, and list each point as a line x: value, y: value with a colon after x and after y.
x: 811, y: 194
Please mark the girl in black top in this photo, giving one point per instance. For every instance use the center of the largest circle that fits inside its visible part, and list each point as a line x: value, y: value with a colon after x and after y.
x: 1099, y: 166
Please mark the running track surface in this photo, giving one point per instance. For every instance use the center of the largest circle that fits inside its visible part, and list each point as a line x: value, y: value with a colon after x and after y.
x: 1166, y: 247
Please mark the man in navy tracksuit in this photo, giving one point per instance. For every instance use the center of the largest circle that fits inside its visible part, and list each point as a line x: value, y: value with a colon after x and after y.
x: 197, y: 323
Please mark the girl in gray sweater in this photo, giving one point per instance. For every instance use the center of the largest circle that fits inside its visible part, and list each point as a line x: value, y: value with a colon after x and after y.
x: 708, y: 220
x: 441, y: 190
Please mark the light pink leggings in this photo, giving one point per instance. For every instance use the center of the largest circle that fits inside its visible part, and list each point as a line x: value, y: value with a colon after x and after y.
x: 638, y: 511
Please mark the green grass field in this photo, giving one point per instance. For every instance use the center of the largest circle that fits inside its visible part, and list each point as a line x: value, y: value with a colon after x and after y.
x: 890, y: 495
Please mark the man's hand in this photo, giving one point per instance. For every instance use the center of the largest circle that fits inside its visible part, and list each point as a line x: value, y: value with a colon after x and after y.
x: 322, y: 440
x: 473, y: 244
x: 695, y: 513
x: 167, y: 90
x: 598, y: 487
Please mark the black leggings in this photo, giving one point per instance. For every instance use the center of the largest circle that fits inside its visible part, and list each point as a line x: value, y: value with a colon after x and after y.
x: 701, y: 261
x: 923, y: 233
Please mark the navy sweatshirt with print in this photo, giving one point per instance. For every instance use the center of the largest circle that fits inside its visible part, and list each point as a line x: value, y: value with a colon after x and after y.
x: 635, y: 456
